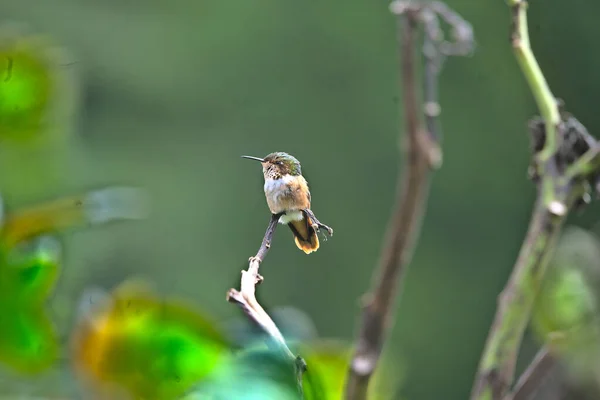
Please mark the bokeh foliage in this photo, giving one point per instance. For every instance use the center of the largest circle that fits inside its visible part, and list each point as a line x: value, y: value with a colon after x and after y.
x: 150, y: 347
x: 38, y: 100
x: 565, y: 316
x: 175, y: 91
x: 28, y: 273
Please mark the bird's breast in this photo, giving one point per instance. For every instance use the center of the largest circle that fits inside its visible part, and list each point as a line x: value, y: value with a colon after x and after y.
x: 285, y: 194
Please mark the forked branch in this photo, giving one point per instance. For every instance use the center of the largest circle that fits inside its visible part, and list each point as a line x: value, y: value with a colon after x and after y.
x: 565, y: 168
x: 422, y: 154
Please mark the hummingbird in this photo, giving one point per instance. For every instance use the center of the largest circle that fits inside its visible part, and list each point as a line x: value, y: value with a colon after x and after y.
x: 288, y: 196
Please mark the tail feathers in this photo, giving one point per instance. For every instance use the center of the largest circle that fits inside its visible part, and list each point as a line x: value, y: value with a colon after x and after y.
x: 91, y: 208
x: 304, y: 234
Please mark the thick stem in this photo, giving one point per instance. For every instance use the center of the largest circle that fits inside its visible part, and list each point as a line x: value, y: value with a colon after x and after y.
x: 497, y: 366
x: 379, y: 309
x: 535, y: 78
x: 422, y: 154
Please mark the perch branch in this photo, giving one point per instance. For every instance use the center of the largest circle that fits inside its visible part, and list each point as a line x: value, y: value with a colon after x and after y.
x: 246, y: 299
x: 562, y: 173
x: 422, y: 154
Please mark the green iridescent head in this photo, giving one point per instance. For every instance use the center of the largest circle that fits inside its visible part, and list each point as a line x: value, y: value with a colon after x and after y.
x: 283, y: 163
x: 287, y: 163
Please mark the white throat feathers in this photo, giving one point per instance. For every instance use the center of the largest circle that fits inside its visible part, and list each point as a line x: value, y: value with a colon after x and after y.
x: 289, y: 216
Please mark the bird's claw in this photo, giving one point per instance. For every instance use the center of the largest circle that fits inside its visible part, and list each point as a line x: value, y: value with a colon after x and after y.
x: 316, y: 224
x: 259, y: 279
x: 327, y: 228
x: 254, y: 259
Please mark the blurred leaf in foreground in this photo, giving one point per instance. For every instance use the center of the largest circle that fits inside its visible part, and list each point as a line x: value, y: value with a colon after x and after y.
x: 37, y: 87
x: 38, y: 102
x: 88, y: 209
x: 259, y: 372
x: 133, y: 344
x: 329, y: 361
x: 565, y: 315
x: 294, y: 325
x: 28, y: 273
x: 255, y: 373
x: 30, y: 263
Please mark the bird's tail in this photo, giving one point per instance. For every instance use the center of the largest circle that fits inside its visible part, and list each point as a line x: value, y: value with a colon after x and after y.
x: 92, y: 208
x: 305, y: 235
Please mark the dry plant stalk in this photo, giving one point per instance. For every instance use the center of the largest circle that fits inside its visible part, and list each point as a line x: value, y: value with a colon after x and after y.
x: 422, y: 154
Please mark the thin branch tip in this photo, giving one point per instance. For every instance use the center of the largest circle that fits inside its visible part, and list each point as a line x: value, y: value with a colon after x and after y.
x: 245, y: 298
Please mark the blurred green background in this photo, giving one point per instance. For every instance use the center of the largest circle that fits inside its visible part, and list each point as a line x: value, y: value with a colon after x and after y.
x: 173, y: 92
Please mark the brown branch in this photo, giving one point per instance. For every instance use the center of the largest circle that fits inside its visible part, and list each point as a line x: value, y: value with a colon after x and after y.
x: 422, y: 154
x: 246, y: 299
x: 435, y: 50
x: 378, y: 310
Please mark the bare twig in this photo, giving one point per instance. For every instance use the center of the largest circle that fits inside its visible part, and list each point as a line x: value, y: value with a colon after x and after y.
x: 535, y: 374
x: 378, y: 310
x: 423, y: 154
x: 435, y: 51
x: 562, y: 173
x: 246, y: 299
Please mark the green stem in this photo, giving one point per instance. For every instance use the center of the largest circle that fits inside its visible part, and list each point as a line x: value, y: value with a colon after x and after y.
x: 543, y: 97
x: 535, y: 78
x: 557, y: 191
x: 497, y: 366
x: 585, y: 166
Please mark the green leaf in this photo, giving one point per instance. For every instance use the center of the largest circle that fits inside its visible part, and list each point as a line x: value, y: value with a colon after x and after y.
x: 149, y: 346
x: 28, y: 341
x: 36, y: 86
x: 565, y: 314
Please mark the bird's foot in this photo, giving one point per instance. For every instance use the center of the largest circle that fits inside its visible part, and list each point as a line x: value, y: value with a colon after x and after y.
x: 316, y: 224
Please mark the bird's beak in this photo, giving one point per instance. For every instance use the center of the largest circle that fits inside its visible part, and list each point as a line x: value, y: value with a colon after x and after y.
x: 254, y: 158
